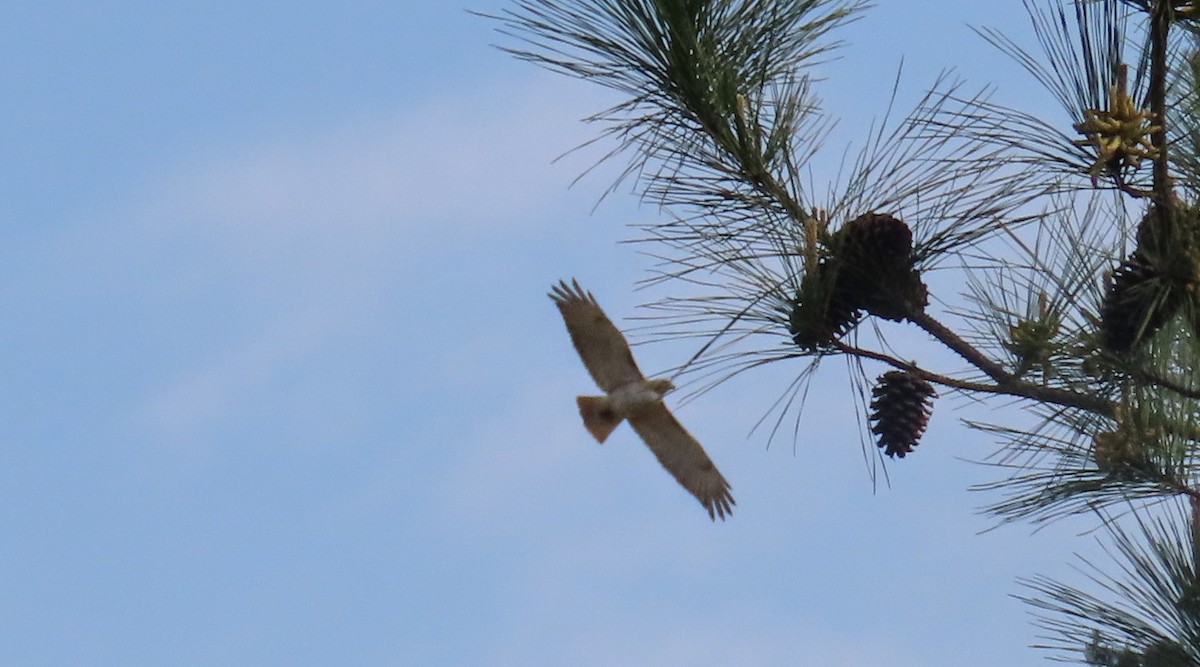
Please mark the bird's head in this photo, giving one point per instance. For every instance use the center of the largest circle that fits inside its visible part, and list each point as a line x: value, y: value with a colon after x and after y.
x: 661, y: 386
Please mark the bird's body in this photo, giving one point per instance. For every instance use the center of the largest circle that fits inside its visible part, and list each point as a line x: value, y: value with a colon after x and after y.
x: 636, y: 397
x: 629, y: 396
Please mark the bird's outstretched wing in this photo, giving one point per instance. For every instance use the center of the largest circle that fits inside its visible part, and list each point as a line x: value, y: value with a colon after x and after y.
x: 600, y: 344
x: 682, y: 456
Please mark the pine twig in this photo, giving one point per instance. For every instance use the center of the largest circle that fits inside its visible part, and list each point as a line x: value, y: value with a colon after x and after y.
x: 1006, y: 383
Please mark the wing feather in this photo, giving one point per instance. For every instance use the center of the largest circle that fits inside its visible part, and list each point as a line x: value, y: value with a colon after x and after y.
x: 600, y: 343
x: 683, y: 456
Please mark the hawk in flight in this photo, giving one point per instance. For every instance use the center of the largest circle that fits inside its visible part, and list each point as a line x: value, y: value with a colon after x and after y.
x: 630, y: 396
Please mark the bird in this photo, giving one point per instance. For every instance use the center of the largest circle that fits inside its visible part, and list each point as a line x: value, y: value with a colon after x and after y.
x: 629, y: 396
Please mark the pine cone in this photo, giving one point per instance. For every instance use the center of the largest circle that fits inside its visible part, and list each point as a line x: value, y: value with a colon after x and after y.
x: 874, y: 256
x: 1168, y: 241
x: 822, y: 312
x: 900, y: 407
x: 1138, y: 302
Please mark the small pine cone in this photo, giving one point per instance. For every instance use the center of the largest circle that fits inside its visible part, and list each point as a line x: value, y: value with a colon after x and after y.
x: 1167, y: 241
x: 1189, y: 598
x: 1154, y: 233
x: 1124, y: 453
x: 1137, y: 303
x: 900, y: 407
x: 821, y: 313
x: 875, y: 258
x: 1113, y: 450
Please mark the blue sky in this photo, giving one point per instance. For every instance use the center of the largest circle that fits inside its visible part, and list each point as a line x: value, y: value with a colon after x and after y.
x: 282, y: 385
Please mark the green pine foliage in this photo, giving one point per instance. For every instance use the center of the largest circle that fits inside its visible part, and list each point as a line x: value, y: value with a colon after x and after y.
x: 1076, y: 238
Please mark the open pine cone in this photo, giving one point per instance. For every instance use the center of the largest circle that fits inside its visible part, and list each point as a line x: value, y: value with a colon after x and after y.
x: 873, y: 255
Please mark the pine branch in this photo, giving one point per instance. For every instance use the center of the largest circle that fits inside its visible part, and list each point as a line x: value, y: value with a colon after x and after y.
x: 1161, y: 17
x: 1006, y: 383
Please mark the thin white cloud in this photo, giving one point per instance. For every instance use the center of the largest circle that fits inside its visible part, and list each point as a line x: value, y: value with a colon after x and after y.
x: 310, y: 231
x: 229, y: 381
x: 471, y: 159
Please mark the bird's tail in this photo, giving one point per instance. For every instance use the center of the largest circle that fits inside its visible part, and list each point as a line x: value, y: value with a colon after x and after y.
x: 598, y: 416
